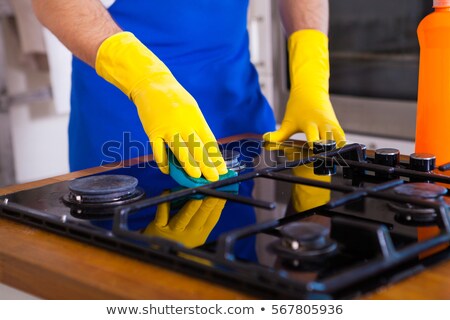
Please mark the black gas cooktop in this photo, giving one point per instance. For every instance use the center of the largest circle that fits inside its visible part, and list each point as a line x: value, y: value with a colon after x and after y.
x: 294, y: 223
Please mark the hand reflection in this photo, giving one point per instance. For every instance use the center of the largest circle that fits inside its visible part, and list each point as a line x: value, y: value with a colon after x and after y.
x: 303, y: 197
x: 192, y: 224
x: 306, y: 197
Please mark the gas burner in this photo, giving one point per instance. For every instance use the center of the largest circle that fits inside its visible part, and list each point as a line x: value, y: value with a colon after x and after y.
x: 421, y: 190
x: 102, y: 191
x: 416, y: 215
x: 304, y: 242
x: 92, y: 213
x: 232, y: 160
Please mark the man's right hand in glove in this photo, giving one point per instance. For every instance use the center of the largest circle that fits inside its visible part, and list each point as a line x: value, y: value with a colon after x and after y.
x: 168, y: 113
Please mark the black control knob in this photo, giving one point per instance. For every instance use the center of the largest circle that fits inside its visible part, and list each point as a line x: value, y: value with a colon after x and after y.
x: 321, y: 146
x: 324, y: 166
x: 387, y: 157
x: 424, y: 162
x: 364, y: 151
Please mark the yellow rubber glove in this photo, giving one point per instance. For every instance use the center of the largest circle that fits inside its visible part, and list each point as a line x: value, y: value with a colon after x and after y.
x: 169, y: 114
x: 191, y: 226
x: 309, y: 109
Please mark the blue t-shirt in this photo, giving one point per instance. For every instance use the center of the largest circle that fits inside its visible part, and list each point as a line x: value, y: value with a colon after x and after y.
x: 205, y: 45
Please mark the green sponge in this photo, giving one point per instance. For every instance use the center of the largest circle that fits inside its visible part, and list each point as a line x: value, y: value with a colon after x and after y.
x: 180, y: 176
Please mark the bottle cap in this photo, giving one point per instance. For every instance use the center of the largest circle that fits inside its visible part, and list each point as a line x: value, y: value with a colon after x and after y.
x: 441, y: 3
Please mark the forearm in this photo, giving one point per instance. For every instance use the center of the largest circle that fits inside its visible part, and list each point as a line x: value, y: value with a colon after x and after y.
x: 304, y: 14
x: 81, y: 25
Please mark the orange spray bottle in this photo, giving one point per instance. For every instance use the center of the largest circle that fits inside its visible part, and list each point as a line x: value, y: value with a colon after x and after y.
x: 433, y: 110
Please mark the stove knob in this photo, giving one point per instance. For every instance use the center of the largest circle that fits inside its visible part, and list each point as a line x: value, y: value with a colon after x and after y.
x: 364, y: 151
x: 326, y: 166
x: 423, y: 162
x: 387, y: 157
x: 321, y: 146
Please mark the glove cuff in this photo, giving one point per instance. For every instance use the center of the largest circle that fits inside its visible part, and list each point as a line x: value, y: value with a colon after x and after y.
x: 309, y: 59
x: 125, y: 62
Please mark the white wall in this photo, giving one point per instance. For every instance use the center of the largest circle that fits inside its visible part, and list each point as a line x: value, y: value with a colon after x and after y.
x: 260, y: 32
x: 38, y: 130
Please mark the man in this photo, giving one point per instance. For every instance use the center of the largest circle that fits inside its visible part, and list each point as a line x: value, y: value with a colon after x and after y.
x: 186, y: 67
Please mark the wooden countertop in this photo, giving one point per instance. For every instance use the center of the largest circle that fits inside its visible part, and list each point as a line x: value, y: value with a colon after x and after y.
x: 54, y: 267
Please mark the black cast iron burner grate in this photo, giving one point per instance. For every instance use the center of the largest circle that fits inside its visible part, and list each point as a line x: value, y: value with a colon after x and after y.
x: 256, y: 278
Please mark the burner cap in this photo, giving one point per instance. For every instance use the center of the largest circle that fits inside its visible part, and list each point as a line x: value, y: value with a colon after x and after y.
x: 412, y: 215
x: 417, y: 215
x: 308, y: 234
x: 103, y: 185
x: 232, y: 161
x: 421, y: 190
x: 304, y: 241
x: 102, y: 191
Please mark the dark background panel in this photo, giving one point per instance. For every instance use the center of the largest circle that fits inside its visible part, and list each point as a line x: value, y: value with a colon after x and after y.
x: 374, y: 48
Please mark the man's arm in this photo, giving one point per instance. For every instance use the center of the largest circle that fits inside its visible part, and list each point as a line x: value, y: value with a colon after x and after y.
x: 304, y: 14
x: 168, y: 113
x: 81, y: 25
